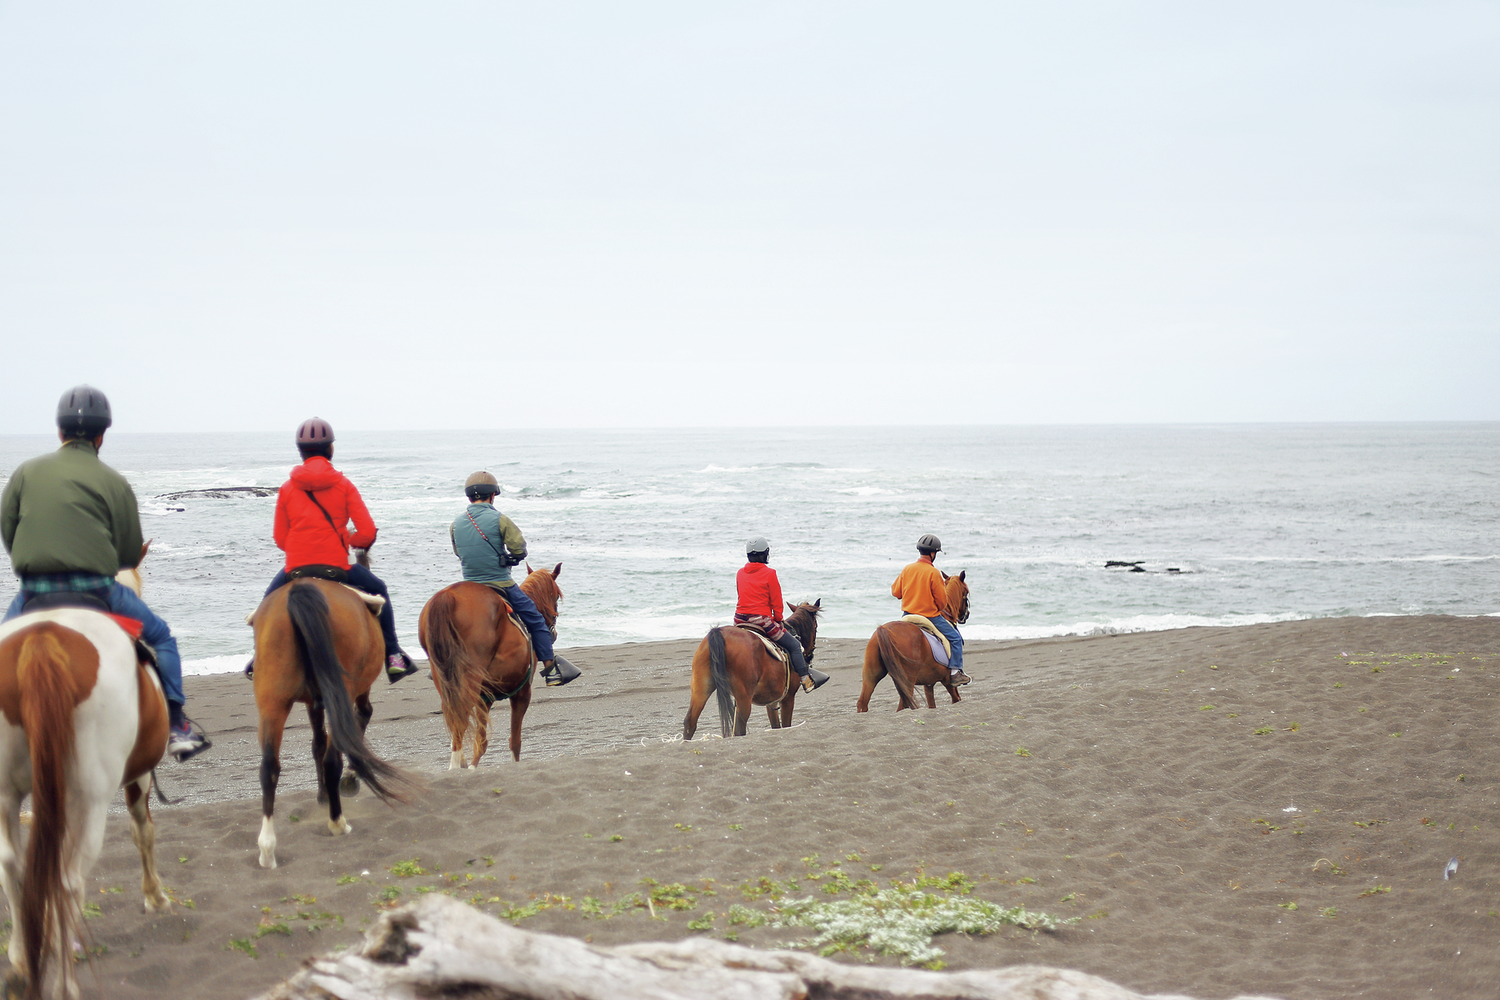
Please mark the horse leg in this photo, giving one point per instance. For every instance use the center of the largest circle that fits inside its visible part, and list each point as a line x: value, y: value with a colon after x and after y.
x: 143, y: 832
x: 518, y: 705
x: 481, y: 731
x: 873, y: 673
x: 772, y: 714
x: 930, y: 702
x: 330, y: 765
x: 702, y: 686
x: 952, y: 691
x: 272, y: 723
x: 742, y: 706
x: 349, y: 783
x: 10, y: 875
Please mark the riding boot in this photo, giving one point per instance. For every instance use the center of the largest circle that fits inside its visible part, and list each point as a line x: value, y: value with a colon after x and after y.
x: 559, y: 671
x: 250, y: 669
x: 813, y: 679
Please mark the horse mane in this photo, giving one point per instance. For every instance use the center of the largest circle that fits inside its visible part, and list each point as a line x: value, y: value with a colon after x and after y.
x: 803, y: 620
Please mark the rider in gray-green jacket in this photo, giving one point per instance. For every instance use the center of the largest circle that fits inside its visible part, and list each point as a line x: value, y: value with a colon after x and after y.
x: 488, y: 544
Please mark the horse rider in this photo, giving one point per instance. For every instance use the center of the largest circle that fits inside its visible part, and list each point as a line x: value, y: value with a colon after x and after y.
x: 488, y: 544
x: 921, y: 590
x: 70, y: 523
x: 760, y: 605
x: 313, y: 510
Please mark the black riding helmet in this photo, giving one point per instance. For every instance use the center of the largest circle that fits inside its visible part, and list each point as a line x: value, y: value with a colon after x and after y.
x: 83, y: 412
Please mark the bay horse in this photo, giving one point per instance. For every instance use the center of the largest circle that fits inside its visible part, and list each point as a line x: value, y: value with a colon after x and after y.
x: 479, y: 657
x: 900, y: 649
x: 736, y: 664
x: 83, y: 716
x: 317, y: 643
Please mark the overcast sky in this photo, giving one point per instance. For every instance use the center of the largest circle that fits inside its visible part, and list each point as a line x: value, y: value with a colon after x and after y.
x: 232, y: 216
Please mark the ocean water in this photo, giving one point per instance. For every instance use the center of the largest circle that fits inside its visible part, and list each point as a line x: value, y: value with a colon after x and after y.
x: 1259, y: 522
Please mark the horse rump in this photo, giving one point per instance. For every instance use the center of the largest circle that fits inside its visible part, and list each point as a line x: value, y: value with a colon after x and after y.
x: 308, y: 610
x: 459, y: 679
x: 895, y: 664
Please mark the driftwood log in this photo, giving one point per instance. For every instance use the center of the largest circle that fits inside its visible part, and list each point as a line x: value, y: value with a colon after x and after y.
x: 440, y: 947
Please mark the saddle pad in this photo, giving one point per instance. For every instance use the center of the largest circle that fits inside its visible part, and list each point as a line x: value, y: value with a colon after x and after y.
x: 372, y: 601
x: 771, y: 647
x: 931, y: 629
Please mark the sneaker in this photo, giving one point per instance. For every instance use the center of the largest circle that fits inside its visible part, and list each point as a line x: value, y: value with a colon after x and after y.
x: 958, y: 678
x: 398, y: 666
x: 185, y: 742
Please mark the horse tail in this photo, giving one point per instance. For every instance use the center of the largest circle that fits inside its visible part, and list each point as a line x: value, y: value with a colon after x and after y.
x: 448, y: 654
x: 718, y: 671
x: 308, y: 610
x: 895, y: 665
x: 48, y: 698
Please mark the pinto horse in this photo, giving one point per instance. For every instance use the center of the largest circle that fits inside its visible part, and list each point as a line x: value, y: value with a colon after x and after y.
x: 317, y: 643
x: 82, y: 717
x: 479, y: 657
x: 901, y: 650
x: 737, y: 665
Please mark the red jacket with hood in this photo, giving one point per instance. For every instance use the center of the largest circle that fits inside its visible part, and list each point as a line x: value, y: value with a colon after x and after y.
x: 301, y: 530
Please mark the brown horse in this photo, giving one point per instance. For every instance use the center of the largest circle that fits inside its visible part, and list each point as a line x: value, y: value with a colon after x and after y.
x: 479, y: 657
x: 737, y: 665
x: 82, y: 716
x: 317, y: 643
x: 901, y: 650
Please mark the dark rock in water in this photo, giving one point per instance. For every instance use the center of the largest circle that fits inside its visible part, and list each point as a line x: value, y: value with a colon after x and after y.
x: 1134, y: 567
x: 1137, y: 569
x: 221, y: 493
x: 1173, y: 569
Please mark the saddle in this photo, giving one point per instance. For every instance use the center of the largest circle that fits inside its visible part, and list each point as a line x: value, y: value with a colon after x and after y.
x: 765, y: 641
x: 372, y: 601
x: 942, y: 650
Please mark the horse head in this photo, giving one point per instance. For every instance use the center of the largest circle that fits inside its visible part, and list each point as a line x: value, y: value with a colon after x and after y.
x: 541, y: 586
x: 803, y: 623
x: 131, y: 576
x: 958, y: 596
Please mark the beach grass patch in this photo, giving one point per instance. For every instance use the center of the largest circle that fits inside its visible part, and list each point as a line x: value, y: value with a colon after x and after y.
x: 1263, y: 730
x: 1375, y: 890
x: 244, y: 945
x: 408, y: 869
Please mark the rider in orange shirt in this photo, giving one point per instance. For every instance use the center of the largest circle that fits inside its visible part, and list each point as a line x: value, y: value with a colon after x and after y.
x: 921, y: 590
x: 760, y: 605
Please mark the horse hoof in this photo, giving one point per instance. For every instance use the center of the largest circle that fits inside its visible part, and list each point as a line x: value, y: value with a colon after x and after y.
x: 349, y: 785
x: 267, y: 859
x: 339, y: 827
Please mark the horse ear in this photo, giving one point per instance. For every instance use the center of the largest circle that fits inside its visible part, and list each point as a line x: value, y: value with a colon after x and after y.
x: 961, y: 575
x: 557, y: 571
x: 945, y: 576
x: 792, y: 606
x: 146, y: 548
x: 528, y: 569
x: 818, y: 603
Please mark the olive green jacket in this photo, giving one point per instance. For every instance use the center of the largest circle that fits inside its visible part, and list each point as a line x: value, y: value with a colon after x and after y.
x: 68, y: 512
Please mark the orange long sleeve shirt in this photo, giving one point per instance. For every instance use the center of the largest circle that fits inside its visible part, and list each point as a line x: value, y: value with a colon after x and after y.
x: 920, y: 587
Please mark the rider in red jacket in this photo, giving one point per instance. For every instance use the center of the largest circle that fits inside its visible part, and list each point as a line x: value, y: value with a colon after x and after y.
x: 760, y: 605
x: 313, y: 511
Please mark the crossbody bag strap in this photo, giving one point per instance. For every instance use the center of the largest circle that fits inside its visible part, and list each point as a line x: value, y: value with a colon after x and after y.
x: 329, y: 517
x: 485, y: 537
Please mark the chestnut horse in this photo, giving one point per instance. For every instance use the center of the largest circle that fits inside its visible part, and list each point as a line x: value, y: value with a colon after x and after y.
x: 479, y: 657
x: 317, y: 643
x: 737, y: 665
x: 82, y: 717
x: 901, y: 650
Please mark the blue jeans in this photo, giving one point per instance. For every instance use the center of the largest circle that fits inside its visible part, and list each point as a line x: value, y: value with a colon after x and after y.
x: 525, y: 608
x: 943, y: 625
x: 156, y: 633
x: 359, y: 576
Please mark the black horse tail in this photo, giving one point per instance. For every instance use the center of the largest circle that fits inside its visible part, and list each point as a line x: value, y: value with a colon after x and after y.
x: 448, y: 654
x: 308, y: 610
x: 895, y: 665
x: 719, y: 673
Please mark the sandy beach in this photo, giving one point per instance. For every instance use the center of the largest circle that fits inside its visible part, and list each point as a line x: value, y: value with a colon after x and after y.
x: 1265, y: 809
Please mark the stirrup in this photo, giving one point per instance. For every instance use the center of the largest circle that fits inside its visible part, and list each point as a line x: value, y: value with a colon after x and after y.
x: 813, y: 679
x: 407, y: 669
x: 560, y: 672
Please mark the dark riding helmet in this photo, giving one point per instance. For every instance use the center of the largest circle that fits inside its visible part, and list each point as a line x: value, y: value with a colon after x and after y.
x: 480, y: 485
x: 929, y: 545
x: 84, y: 411
x: 315, y: 430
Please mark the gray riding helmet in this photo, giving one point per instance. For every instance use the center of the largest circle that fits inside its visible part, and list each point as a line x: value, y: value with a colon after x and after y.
x: 757, y: 544
x: 83, y: 410
x: 929, y: 543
